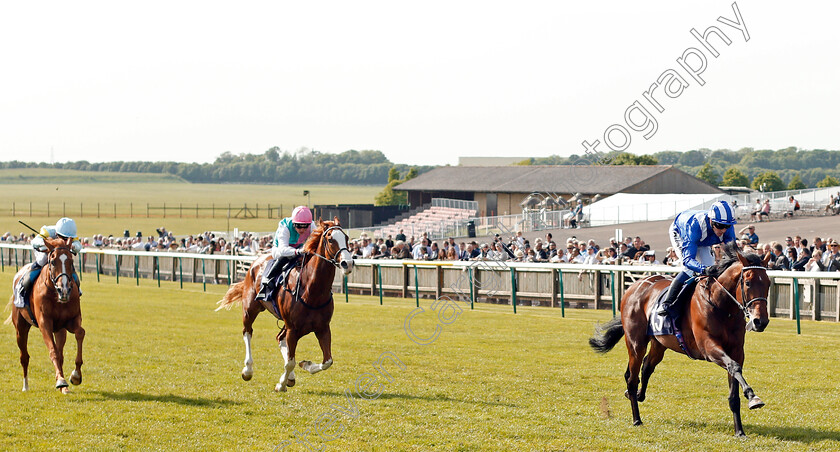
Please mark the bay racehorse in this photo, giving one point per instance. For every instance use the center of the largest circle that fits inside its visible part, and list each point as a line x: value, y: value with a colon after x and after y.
x: 305, y: 304
x: 712, y: 324
x: 54, y: 304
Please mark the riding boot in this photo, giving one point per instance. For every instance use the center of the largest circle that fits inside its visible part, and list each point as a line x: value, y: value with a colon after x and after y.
x: 269, y: 273
x: 677, y: 283
x: 78, y: 283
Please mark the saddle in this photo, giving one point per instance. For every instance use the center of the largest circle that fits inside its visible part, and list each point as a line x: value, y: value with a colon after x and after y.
x: 669, y: 326
x: 277, y: 271
x: 23, y: 302
x: 657, y: 326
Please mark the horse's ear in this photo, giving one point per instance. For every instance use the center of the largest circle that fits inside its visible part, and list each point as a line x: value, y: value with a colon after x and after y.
x: 51, y: 243
x: 766, y: 259
x: 742, y: 259
x: 335, y: 220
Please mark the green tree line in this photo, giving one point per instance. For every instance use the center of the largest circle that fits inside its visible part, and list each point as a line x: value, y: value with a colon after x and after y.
x: 788, y: 168
x: 274, y: 166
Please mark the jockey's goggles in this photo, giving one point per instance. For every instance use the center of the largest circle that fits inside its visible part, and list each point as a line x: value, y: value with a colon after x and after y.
x: 721, y: 226
x: 301, y: 225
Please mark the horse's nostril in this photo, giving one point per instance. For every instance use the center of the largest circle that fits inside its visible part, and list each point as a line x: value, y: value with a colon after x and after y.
x: 343, y: 264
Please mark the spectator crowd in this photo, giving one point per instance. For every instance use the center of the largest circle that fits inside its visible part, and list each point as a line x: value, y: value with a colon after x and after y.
x: 794, y: 253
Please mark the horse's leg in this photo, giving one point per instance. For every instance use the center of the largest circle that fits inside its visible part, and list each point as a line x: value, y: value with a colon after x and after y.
x: 733, y: 367
x: 288, y: 345
x: 636, y: 351
x: 250, y: 310
x: 735, y: 406
x: 654, y: 357
x: 22, y: 330
x: 79, y: 332
x: 55, y: 353
x: 324, y: 339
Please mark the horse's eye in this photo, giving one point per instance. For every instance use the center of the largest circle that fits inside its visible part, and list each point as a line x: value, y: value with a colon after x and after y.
x: 747, y: 283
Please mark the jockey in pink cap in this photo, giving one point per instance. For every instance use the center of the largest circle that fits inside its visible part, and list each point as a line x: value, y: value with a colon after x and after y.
x: 291, y: 234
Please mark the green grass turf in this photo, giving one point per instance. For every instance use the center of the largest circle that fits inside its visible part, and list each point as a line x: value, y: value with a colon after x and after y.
x: 162, y: 373
x: 69, y: 194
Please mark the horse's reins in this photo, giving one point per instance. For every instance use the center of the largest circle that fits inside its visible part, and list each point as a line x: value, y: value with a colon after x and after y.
x: 745, y: 306
x: 332, y: 260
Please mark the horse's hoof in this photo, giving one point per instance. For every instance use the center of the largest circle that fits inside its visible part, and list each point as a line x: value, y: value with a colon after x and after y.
x: 741, y: 435
x: 640, y: 397
x: 637, y: 423
x: 279, y: 388
x: 62, y: 383
x: 755, y: 403
x: 76, y: 378
x: 247, y: 375
x: 290, y: 383
x: 305, y: 364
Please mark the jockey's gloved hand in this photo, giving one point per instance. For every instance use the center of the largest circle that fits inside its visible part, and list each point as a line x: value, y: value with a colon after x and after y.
x: 706, y: 271
x: 299, y: 252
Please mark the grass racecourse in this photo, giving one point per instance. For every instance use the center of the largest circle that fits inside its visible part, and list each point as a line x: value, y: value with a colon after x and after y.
x: 162, y: 370
x: 69, y: 192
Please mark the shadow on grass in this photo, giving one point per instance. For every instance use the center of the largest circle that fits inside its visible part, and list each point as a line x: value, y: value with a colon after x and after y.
x: 386, y: 396
x: 797, y: 434
x: 169, y: 398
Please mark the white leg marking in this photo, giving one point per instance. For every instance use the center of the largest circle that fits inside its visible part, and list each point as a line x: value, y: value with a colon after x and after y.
x: 248, y: 370
x: 315, y: 368
x: 25, y: 384
x: 284, y: 350
x: 284, y: 380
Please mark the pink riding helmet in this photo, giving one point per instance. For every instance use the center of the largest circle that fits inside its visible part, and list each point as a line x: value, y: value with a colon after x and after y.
x: 301, y: 214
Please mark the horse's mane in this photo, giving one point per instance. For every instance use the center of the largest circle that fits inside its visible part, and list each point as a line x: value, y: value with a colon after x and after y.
x: 311, y: 245
x: 730, y: 257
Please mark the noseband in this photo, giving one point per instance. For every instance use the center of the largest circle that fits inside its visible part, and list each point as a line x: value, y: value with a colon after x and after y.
x: 745, y: 308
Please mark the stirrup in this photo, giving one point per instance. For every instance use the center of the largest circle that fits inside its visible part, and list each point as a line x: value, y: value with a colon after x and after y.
x: 262, y: 293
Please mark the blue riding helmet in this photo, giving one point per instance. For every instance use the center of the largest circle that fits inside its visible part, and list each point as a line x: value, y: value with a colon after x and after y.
x: 66, y: 227
x: 721, y: 212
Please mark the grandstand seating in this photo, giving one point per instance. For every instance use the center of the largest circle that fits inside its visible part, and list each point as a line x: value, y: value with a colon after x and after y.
x: 433, y: 220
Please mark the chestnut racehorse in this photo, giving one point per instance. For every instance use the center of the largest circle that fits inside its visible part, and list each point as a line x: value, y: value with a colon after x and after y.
x: 306, y: 304
x: 55, y: 305
x: 712, y: 323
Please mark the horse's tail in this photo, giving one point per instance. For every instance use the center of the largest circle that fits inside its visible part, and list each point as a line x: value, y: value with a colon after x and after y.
x: 607, y: 335
x: 9, y: 320
x: 232, y: 297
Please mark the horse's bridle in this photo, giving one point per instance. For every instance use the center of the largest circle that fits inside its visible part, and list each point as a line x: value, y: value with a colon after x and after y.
x: 324, y: 241
x: 745, y: 307
x: 49, y: 273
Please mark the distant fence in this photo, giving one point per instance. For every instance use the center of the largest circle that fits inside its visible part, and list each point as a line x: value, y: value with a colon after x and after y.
x: 817, y: 294
x: 131, y: 210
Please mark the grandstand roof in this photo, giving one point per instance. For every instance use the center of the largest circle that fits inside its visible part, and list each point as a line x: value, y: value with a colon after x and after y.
x: 587, y: 179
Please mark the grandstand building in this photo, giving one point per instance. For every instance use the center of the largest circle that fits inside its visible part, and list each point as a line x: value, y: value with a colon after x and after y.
x: 500, y: 190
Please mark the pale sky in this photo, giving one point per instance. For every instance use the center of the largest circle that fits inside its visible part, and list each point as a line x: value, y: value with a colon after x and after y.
x: 423, y: 82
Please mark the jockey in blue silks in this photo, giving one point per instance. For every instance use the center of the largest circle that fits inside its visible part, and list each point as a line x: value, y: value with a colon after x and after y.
x: 292, y: 233
x: 693, y: 233
x: 64, y: 228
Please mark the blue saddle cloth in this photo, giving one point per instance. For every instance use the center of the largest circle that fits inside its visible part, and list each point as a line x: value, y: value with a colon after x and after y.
x: 661, y: 325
